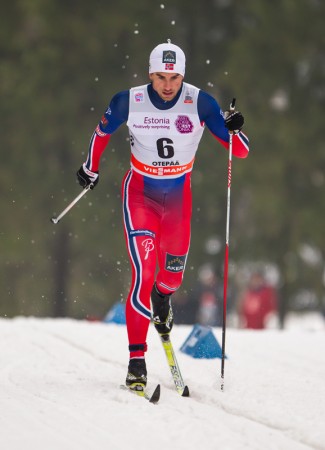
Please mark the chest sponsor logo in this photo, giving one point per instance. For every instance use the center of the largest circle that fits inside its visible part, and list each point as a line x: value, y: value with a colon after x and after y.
x: 175, y: 263
x: 139, y: 97
x: 156, y: 120
x: 152, y: 123
x: 184, y: 124
x: 188, y: 98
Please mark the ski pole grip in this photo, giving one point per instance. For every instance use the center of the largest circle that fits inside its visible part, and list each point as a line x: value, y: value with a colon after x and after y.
x: 232, y: 104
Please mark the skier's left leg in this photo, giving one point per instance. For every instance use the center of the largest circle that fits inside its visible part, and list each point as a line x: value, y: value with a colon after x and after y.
x: 172, y: 244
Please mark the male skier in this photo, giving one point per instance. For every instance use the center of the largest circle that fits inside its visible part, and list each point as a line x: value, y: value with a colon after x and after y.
x: 166, y: 119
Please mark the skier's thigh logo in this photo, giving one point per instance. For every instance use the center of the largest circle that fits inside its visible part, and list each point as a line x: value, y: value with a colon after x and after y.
x: 148, y: 246
x: 175, y: 263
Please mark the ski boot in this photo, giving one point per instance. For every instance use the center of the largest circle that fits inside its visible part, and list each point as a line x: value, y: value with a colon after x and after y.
x: 162, y: 313
x: 136, y: 378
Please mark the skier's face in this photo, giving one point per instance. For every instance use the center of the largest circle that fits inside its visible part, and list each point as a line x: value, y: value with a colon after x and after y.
x: 166, y: 85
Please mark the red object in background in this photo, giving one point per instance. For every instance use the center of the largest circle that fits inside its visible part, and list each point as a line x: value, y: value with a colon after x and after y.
x: 257, y: 303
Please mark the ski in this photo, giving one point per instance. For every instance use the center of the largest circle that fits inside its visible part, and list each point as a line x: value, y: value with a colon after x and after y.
x: 181, y: 388
x: 142, y: 392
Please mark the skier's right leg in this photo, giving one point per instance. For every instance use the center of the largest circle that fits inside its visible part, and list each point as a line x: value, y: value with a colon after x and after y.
x: 140, y: 240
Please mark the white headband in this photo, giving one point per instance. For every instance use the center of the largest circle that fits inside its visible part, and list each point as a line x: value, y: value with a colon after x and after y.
x: 167, y: 58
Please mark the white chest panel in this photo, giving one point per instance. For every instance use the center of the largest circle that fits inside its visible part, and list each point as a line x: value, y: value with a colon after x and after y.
x: 164, y: 143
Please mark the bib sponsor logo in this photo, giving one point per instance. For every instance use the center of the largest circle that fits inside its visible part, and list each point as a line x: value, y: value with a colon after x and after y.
x: 160, y: 171
x: 152, y: 123
x: 139, y: 97
x: 184, y: 124
x: 165, y: 163
x: 175, y: 263
x: 161, y: 168
x: 156, y: 120
x: 188, y: 99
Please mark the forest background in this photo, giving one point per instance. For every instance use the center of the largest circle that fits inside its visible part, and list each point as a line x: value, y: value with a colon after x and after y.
x: 62, y: 61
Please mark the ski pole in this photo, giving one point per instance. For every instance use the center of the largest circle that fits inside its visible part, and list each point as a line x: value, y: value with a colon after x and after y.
x: 55, y: 220
x: 226, y: 258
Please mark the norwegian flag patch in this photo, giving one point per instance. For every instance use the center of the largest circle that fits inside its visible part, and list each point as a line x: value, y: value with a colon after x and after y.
x: 169, y: 66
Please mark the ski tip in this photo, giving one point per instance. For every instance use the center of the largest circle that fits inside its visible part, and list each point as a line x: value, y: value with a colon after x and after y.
x: 186, y: 392
x: 156, y: 395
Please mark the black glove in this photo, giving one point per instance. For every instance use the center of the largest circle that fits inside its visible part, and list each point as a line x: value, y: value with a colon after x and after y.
x: 86, y: 177
x: 234, y: 121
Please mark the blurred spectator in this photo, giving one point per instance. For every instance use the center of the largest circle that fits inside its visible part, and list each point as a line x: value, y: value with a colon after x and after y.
x: 208, y: 296
x: 184, y: 308
x: 258, y: 305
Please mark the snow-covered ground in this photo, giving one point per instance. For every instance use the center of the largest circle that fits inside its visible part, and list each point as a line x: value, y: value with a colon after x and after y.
x: 59, y: 390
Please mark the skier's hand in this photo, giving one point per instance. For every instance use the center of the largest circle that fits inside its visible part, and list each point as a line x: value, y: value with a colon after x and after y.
x: 234, y: 121
x: 86, y: 177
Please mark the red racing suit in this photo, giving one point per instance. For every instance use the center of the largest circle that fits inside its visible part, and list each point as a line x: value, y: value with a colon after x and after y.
x: 157, y: 199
